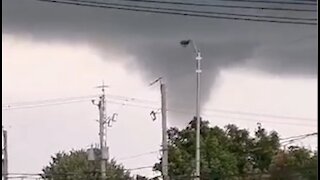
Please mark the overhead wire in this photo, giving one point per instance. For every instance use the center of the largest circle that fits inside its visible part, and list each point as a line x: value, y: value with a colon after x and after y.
x: 137, y: 155
x: 134, y: 105
x: 258, y: 114
x: 290, y: 140
x: 127, y: 100
x: 128, y: 103
x: 7, y: 108
x: 71, y: 173
x: 50, y: 100
x: 199, y: 12
x: 216, y: 116
x: 298, y: 136
x: 222, y: 6
x: 178, y: 13
x: 303, y: 2
x: 33, y: 175
x: 262, y: 115
x: 260, y: 120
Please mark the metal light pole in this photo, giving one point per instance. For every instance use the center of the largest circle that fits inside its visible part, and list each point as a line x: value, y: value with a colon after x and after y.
x: 185, y: 43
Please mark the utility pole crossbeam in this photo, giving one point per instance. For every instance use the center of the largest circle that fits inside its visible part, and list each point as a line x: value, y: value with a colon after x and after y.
x: 164, y: 129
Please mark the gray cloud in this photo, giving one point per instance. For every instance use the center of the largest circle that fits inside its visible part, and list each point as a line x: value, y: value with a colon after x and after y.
x: 288, y: 50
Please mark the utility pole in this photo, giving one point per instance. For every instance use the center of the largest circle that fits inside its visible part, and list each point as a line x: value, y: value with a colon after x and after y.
x: 102, y: 132
x: 164, y: 131
x: 5, y: 155
x: 164, y: 128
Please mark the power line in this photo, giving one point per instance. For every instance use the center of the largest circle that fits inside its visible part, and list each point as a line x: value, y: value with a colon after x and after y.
x: 201, y: 12
x: 218, y: 116
x: 172, y: 110
x: 299, y: 136
x: 127, y: 99
x: 259, y: 120
x: 293, y: 140
x: 32, y: 175
x: 71, y: 173
x: 49, y: 100
x: 180, y: 13
x: 259, y: 114
x: 134, y: 105
x: 227, y: 111
x: 125, y: 103
x: 45, y: 101
x: 28, y: 106
x: 42, y: 105
x: 273, y: 2
x: 264, y: 115
x: 138, y: 155
x: 222, y: 6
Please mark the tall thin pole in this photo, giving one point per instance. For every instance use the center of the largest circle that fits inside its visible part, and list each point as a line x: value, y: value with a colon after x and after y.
x: 5, y: 154
x: 102, y: 134
x: 198, y: 72
x: 185, y: 43
x: 164, y: 131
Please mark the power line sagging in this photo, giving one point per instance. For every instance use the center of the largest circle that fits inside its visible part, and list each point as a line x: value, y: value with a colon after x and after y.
x: 154, y: 105
x: 203, y: 14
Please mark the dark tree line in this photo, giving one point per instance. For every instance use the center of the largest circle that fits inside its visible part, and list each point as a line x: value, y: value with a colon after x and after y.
x: 226, y: 153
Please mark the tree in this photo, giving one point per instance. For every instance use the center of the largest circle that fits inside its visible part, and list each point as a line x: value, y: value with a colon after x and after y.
x: 76, y: 166
x: 296, y: 163
x: 265, y: 146
x: 138, y: 177
x: 227, y: 153
x: 240, y: 144
x: 216, y: 161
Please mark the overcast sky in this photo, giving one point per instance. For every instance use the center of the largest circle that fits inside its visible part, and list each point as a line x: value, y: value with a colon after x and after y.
x: 54, y: 51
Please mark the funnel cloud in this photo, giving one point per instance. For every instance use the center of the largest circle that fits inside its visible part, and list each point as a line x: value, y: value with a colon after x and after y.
x: 153, y: 39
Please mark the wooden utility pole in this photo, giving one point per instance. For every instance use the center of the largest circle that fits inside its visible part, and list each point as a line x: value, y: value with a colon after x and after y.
x: 102, y: 132
x: 164, y: 129
x: 5, y: 155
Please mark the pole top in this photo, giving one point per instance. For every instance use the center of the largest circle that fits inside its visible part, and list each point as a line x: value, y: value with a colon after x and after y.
x: 103, y: 86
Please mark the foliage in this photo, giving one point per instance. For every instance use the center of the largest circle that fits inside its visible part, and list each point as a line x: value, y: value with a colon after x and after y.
x: 296, y: 163
x: 231, y: 153
x: 138, y: 177
x: 75, y: 165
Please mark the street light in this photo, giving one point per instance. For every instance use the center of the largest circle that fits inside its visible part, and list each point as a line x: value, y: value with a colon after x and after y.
x: 185, y: 43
